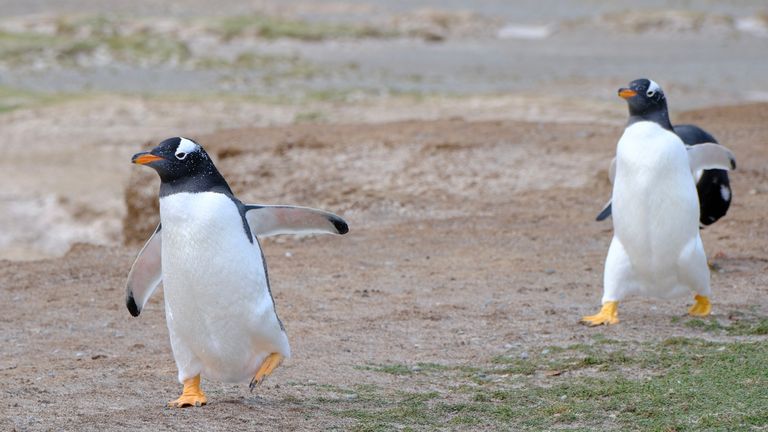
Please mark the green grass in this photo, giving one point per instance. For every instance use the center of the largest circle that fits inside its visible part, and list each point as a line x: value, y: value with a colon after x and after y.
x: 87, y: 40
x: 309, y: 117
x: 678, y: 384
x: 76, y: 38
x: 12, y: 99
x: 22, y: 48
x: 745, y: 325
x: 270, y: 27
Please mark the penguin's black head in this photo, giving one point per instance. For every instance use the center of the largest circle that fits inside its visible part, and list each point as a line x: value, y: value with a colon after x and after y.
x: 176, y: 158
x: 183, y: 166
x: 645, y: 98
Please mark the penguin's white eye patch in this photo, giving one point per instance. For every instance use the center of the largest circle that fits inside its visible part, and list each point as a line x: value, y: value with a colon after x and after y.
x: 185, y: 147
x: 653, y: 88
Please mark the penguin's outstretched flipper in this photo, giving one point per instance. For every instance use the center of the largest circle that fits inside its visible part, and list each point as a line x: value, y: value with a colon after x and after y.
x: 145, y: 275
x: 267, y: 220
x: 710, y: 156
x: 704, y: 156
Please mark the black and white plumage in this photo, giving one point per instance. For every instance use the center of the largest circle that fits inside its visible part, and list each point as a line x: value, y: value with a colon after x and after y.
x: 219, y: 308
x: 713, y: 185
x: 656, y: 248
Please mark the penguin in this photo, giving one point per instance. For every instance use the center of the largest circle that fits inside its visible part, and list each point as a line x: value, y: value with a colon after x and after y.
x: 712, y: 185
x: 222, y: 319
x: 656, y: 248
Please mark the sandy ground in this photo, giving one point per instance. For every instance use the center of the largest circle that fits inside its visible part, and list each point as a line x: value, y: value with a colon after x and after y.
x: 468, y: 239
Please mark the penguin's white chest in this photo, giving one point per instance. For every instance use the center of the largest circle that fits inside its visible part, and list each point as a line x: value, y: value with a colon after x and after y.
x: 655, y: 204
x: 220, y: 314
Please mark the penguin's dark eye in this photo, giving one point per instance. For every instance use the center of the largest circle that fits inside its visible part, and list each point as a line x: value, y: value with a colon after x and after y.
x: 181, y: 155
x: 650, y: 93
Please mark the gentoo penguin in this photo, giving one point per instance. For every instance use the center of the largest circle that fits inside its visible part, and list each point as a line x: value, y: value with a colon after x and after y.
x: 656, y: 248
x: 713, y: 185
x: 221, y: 316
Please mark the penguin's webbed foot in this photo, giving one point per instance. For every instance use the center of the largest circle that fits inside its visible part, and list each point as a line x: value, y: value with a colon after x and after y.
x: 192, y: 395
x: 270, y: 363
x: 701, y: 308
x: 609, y: 314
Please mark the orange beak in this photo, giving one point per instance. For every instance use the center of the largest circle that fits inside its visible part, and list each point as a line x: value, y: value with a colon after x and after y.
x: 626, y: 93
x: 145, y: 158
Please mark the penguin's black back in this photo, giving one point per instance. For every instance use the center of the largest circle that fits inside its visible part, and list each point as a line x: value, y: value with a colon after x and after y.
x: 711, y: 183
x: 692, y: 135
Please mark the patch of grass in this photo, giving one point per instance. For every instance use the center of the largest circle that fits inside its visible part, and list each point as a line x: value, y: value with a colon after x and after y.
x: 144, y: 47
x: 556, y: 360
x: 742, y: 326
x: 407, y: 410
x: 708, y: 325
x: 749, y: 327
x: 401, y: 369
x: 80, y: 38
x: 12, y: 99
x: 677, y: 384
x: 23, y: 47
x: 309, y: 117
x: 392, y: 369
x: 271, y: 27
x: 249, y: 60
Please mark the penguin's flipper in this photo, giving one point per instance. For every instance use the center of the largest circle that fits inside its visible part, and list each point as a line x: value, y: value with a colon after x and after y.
x: 145, y: 275
x: 605, y: 212
x: 279, y: 219
x: 710, y: 156
x: 612, y: 171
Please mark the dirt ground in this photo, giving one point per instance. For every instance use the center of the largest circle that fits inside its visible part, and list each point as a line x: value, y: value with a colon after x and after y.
x: 468, y: 239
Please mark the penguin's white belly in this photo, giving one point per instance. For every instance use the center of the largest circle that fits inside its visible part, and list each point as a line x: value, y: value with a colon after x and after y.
x: 220, y: 314
x: 655, y: 206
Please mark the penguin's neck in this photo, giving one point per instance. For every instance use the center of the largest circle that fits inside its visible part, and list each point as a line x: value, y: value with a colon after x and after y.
x: 659, y: 116
x: 208, y: 181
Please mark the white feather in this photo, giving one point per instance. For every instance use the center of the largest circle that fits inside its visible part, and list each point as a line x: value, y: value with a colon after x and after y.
x: 725, y: 192
x: 220, y: 315
x: 653, y: 87
x: 656, y: 250
x: 186, y: 146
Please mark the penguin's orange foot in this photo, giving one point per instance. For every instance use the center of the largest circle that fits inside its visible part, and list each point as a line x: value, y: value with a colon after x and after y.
x: 192, y: 395
x: 701, y: 308
x: 609, y: 314
x: 270, y: 363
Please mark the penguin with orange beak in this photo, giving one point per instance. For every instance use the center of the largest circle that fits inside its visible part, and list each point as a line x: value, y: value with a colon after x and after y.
x: 656, y: 248
x: 221, y: 316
